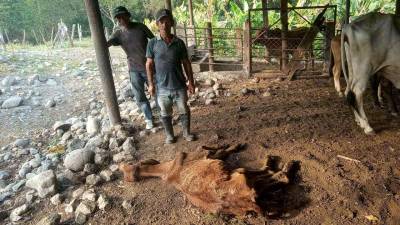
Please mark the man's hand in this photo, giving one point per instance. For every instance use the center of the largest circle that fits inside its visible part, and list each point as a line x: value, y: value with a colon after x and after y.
x: 152, y: 90
x: 191, y: 88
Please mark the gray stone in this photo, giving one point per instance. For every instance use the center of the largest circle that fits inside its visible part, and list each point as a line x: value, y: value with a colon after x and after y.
x: 209, y: 82
x: 114, y: 168
x: 89, y: 195
x: 92, y: 125
x: 66, y: 136
x: 18, y: 212
x: 113, y: 143
x: 3, y: 184
x: 122, y: 156
x: 77, y: 159
x: 101, y: 158
x: 209, y: 102
x: 18, y: 185
x: 245, y: 91
x: 71, y: 206
x: 86, y: 208
x: 12, y: 102
x: 4, y: 196
x: 129, y: 145
x: 4, y: 175
x: 102, y: 202
x: 217, y: 86
x: 51, y: 82
x: 30, y: 196
x: 80, y: 218
x: 9, y: 81
x: 127, y: 205
x: 44, y: 183
x: 50, y: 103
x: 93, y: 180
x: 35, y: 163
x: 57, y: 199
x: 94, y: 142
x: 53, y: 219
x: 24, y: 170
x: 61, y: 125
x: 75, y: 144
x: 78, y: 192
x: 21, y: 143
x: 33, y: 151
x: 107, y: 175
x: 69, y: 177
x: 90, y: 168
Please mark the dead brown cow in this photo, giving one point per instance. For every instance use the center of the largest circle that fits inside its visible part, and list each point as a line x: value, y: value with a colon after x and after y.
x: 207, y: 182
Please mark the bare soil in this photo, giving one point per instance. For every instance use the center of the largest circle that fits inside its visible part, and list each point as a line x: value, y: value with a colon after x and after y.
x: 303, y: 120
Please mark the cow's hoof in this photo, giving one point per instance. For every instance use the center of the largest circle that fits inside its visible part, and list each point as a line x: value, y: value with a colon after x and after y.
x: 369, y: 131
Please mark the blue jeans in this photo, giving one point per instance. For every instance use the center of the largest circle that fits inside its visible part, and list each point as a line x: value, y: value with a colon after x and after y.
x: 138, y: 79
x: 166, y: 99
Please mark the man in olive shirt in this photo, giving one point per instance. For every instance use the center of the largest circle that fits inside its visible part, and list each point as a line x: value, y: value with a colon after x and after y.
x: 133, y: 38
x: 166, y: 54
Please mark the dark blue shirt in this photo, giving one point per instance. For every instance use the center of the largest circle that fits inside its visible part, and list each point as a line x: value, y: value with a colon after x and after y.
x: 168, y: 62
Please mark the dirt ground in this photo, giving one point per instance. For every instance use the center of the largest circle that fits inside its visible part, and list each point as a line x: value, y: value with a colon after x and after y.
x: 302, y: 120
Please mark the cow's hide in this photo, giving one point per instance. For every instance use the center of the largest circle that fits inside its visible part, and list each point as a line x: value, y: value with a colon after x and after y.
x: 208, y: 183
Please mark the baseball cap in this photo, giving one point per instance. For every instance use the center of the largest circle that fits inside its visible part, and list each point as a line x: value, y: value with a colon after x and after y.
x: 120, y: 10
x: 162, y: 13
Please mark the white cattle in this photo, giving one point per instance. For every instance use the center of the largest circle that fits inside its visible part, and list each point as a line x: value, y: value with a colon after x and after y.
x: 370, y: 45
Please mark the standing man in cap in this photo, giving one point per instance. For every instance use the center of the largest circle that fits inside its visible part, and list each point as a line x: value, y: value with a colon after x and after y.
x: 133, y: 38
x: 166, y: 53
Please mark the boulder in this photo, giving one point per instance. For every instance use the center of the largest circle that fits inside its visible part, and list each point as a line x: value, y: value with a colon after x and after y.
x: 9, y: 81
x: 44, y: 183
x: 21, y: 143
x: 12, y: 102
x: 17, y: 212
x: 53, y: 219
x: 102, y: 202
x: 86, y: 207
x: 92, y: 125
x: 62, y: 126
x: 93, y: 179
x: 77, y: 159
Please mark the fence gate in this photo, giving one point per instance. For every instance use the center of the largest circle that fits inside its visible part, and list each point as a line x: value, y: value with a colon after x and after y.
x: 308, y: 40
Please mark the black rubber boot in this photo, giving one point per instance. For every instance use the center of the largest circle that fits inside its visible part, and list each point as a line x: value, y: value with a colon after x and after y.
x: 185, y: 123
x: 169, y: 129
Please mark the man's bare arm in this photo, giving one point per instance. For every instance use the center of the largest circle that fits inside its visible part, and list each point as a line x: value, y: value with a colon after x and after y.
x: 187, y: 66
x: 150, y: 75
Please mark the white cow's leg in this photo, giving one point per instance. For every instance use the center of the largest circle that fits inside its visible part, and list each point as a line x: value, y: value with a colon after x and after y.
x: 362, y: 116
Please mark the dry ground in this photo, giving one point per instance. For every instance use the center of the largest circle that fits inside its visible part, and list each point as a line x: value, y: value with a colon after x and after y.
x: 303, y: 120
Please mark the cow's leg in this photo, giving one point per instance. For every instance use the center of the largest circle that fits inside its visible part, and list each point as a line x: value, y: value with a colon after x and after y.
x: 364, y: 124
x: 336, y: 78
x: 387, y: 93
x: 148, y: 168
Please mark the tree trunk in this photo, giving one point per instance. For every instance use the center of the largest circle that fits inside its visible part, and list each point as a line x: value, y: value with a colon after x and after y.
x: 35, y: 36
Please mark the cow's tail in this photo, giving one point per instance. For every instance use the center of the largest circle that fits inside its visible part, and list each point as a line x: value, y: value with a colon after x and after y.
x: 350, y: 96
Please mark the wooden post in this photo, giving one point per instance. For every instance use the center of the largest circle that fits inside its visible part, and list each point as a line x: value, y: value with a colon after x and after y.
x: 73, y: 32
x: 80, y: 32
x: 247, y: 48
x: 264, y: 4
x: 210, y: 47
x: 24, y: 37
x: 284, y: 21
x: 347, y: 13
x: 103, y: 60
x: 192, y: 30
x: 239, y: 43
x: 168, y: 6
x: 185, y: 34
